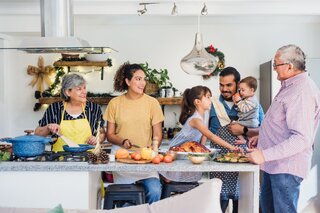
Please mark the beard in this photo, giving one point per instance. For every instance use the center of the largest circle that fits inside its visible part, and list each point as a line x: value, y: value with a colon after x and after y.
x: 228, y: 98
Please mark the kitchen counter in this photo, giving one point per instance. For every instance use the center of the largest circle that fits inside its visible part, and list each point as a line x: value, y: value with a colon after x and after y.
x: 177, y: 166
x: 76, y: 184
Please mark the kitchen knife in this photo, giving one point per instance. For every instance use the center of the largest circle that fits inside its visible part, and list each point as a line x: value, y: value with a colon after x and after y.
x: 67, y: 140
x: 135, y: 146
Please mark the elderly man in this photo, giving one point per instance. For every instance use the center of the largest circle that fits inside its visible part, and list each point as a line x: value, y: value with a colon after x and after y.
x: 286, y: 136
x: 222, y: 112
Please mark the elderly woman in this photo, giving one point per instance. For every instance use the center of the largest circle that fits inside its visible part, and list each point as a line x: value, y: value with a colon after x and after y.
x: 74, y: 117
x: 134, y: 118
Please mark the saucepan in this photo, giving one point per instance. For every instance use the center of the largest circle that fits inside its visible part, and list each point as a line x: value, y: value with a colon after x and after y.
x: 81, y: 148
x: 28, y: 145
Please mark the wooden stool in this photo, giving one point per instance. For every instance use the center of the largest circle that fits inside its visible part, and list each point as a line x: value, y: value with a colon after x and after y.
x: 177, y: 187
x: 123, y: 192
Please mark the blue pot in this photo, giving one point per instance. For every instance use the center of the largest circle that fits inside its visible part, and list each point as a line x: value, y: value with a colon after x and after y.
x: 28, y: 145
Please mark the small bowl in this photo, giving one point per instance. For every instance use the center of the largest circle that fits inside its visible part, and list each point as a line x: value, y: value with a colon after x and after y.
x: 96, y: 56
x: 197, y: 159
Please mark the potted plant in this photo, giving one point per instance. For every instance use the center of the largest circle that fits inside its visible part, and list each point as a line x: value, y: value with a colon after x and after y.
x: 155, y: 79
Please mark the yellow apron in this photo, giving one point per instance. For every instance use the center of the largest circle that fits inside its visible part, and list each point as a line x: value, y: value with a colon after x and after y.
x: 77, y: 130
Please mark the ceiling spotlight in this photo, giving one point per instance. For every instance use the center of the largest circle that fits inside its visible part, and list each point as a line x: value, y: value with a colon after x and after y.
x: 204, y: 10
x: 142, y: 11
x: 174, y: 11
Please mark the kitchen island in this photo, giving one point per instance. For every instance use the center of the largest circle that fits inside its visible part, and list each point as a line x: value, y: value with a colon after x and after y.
x: 76, y: 184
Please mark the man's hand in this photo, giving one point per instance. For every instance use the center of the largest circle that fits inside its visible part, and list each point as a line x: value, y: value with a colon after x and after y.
x: 235, y: 128
x: 253, y: 141
x: 255, y: 156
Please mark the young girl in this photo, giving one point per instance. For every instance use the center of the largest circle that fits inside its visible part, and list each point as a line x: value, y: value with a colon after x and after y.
x: 194, y: 116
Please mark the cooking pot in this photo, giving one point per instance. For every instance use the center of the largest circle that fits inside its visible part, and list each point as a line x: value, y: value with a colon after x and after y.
x: 28, y: 145
x: 81, y: 148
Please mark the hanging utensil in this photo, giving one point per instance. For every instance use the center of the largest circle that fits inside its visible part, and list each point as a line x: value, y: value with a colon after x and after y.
x: 97, y: 148
x: 67, y: 140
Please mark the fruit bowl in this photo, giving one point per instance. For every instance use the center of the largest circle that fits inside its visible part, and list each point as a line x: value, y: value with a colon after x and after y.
x: 96, y: 56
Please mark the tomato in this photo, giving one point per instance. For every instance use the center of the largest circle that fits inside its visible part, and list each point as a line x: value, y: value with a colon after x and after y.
x: 137, y: 156
x: 156, y: 160
x: 160, y: 156
x: 133, y: 154
x: 167, y: 159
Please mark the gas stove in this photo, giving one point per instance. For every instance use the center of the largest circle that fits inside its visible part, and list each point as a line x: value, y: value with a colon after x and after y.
x: 55, y: 156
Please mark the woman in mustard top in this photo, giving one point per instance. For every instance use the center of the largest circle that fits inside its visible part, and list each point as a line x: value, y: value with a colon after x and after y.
x: 74, y: 117
x: 134, y: 118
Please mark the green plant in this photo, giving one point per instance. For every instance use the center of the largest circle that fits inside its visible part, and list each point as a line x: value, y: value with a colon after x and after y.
x: 158, y: 77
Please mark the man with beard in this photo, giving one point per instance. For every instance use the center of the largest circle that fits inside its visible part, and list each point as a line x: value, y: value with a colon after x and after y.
x: 228, y: 81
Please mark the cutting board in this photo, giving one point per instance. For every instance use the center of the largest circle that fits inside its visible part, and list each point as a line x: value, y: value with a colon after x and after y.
x: 127, y: 160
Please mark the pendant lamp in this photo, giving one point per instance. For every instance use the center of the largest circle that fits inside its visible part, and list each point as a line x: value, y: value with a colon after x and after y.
x: 199, y: 61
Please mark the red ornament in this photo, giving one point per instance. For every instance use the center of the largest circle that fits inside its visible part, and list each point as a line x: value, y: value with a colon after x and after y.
x: 212, y: 49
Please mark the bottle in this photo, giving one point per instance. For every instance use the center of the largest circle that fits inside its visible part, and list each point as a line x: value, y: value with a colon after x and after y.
x: 170, y: 133
x: 165, y: 133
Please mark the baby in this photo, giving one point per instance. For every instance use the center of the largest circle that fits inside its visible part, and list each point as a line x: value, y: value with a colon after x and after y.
x: 247, y: 104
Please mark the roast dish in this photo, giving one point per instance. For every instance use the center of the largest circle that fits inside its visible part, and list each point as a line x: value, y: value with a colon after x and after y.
x: 231, y: 157
x: 191, y: 146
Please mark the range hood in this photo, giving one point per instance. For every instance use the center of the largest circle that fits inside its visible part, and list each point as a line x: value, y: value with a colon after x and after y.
x: 57, y: 31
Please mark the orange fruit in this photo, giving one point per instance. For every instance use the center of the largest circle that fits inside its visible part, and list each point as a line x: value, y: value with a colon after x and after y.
x: 156, y: 160
x: 167, y: 159
x: 160, y: 156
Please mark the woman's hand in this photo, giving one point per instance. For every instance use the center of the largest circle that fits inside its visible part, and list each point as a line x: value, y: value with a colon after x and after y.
x: 92, y: 140
x: 126, y: 143
x: 53, y: 128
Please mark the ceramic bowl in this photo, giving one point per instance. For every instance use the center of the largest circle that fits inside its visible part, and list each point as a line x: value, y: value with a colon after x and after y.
x: 96, y: 56
x: 197, y: 159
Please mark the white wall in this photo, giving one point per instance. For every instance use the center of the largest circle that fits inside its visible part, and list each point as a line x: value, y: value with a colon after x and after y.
x: 162, y: 42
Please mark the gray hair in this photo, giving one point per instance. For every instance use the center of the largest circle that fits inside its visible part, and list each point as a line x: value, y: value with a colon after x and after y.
x: 70, y: 81
x: 293, y: 54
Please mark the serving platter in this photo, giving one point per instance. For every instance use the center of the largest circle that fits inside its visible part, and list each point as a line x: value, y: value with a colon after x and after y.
x: 184, y: 155
x: 232, y: 158
x: 132, y: 161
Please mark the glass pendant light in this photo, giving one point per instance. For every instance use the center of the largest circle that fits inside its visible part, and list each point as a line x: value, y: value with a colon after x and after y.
x: 199, y: 61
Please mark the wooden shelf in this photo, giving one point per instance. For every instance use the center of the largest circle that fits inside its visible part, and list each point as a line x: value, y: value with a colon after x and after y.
x: 80, y: 63
x: 105, y: 100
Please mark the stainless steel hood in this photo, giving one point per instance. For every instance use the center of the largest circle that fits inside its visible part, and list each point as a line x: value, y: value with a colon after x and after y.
x: 57, y: 31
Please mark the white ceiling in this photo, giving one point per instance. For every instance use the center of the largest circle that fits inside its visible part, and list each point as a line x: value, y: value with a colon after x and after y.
x: 23, y: 16
x: 164, y: 7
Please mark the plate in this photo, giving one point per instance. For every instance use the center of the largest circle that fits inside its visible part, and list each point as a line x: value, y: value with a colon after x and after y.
x: 184, y: 155
x: 231, y: 158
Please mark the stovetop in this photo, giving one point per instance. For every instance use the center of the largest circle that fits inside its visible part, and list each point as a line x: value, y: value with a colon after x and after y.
x: 55, y: 156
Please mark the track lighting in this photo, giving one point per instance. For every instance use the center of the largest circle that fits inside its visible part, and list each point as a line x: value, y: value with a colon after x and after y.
x: 174, y: 11
x: 142, y: 11
x: 204, y: 10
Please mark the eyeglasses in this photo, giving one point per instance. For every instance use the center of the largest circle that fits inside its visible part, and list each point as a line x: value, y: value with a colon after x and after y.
x: 278, y: 65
